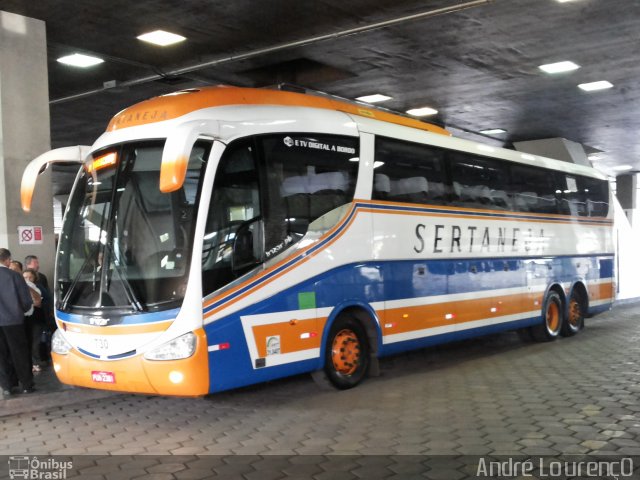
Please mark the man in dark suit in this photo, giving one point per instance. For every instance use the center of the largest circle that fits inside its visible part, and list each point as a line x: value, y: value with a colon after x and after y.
x: 15, y: 301
x: 32, y: 262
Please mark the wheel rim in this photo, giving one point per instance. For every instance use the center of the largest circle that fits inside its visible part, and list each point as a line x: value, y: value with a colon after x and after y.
x: 553, y: 317
x: 345, y: 352
x: 575, y: 313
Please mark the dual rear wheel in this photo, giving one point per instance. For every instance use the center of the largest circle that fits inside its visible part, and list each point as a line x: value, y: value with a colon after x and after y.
x: 555, y: 322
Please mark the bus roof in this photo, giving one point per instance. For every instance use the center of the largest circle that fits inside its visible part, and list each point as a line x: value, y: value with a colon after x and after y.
x: 174, y: 105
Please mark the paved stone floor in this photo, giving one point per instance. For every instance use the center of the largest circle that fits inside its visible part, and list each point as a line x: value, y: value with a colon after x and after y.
x: 484, y: 397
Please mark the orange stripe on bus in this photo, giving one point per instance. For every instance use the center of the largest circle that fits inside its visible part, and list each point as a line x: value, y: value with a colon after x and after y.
x: 602, y: 291
x: 541, y: 217
x: 174, y: 105
x: 290, y: 332
x: 408, y: 319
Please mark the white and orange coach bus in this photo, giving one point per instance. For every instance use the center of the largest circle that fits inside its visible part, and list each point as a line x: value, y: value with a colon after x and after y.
x: 220, y: 237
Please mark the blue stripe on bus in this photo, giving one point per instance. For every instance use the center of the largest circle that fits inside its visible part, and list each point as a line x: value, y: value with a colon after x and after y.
x: 141, y: 318
x: 485, y: 213
x: 366, y: 283
x: 88, y: 354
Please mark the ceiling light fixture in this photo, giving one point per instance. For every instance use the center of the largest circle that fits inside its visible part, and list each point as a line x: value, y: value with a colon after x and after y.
x: 593, y: 86
x: 422, y: 112
x: 80, y: 60
x: 493, y: 131
x: 161, y: 38
x: 559, y: 67
x: 621, y: 168
x: 375, y: 98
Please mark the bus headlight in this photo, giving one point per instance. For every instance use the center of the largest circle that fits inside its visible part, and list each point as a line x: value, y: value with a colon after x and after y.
x: 178, y: 348
x: 59, y: 344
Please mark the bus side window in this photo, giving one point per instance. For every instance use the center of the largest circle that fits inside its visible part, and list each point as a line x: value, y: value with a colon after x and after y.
x: 409, y: 172
x: 307, y: 177
x: 479, y: 182
x: 534, y: 190
x: 584, y: 196
x: 235, y: 200
x: 596, y: 193
x: 572, y: 199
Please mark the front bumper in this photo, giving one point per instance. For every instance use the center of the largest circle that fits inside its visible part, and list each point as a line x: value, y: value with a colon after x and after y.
x: 138, y: 375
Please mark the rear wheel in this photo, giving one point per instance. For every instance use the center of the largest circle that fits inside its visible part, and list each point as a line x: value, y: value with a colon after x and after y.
x: 347, y: 353
x: 575, y: 315
x: 552, y: 317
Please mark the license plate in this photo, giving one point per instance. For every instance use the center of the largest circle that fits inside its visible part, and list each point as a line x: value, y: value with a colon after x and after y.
x: 103, y: 377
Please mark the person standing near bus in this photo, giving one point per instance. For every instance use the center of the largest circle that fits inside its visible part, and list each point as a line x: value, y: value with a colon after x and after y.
x: 31, y: 262
x: 15, y: 300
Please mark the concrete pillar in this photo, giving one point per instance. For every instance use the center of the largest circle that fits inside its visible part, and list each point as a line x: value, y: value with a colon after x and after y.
x: 558, y: 148
x: 627, y: 187
x: 24, y: 134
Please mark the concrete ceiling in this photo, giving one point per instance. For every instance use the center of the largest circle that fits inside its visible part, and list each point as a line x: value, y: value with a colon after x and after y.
x: 477, y: 66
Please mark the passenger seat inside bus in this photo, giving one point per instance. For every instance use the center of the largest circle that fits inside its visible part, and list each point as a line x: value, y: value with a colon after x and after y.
x: 310, y: 196
x: 412, y: 189
x: 381, y: 186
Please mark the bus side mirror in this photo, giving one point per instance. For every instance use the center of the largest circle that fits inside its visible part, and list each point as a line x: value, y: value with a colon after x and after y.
x: 39, y: 164
x: 177, y: 150
x: 248, y: 245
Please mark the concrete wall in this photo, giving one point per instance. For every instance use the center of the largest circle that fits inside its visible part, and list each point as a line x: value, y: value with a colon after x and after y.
x: 24, y: 133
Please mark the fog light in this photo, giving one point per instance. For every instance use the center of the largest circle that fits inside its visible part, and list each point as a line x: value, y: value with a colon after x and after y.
x: 57, y: 367
x: 176, y: 377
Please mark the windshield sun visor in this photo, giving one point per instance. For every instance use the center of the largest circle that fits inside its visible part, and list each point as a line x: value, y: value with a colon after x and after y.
x: 75, y: 154
x: 177, y: 149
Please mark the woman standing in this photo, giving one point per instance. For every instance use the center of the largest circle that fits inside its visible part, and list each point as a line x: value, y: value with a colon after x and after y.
x: 35, y: 321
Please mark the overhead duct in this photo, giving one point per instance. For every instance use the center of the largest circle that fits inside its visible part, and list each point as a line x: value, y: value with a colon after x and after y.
x: 558, y: 148
x: 280, y: 47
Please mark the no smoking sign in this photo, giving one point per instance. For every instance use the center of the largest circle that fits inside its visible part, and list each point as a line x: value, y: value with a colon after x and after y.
x: 30, y: 235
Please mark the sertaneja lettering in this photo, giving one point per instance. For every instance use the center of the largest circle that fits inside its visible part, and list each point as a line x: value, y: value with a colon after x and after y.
x: 475, y: 239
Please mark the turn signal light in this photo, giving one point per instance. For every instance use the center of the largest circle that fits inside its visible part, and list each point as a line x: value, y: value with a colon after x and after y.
x: 103, y: 161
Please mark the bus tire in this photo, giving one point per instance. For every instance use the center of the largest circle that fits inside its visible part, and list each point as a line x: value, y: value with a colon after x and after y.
x: 346, y: 353
x: 552, y: 319
x: 575, y: 315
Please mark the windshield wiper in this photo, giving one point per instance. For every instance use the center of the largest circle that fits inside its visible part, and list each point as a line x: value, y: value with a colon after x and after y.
x: 126, y: 285
x: 74, y: 283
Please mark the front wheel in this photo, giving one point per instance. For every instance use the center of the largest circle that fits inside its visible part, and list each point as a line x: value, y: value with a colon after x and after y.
x: 552, y: 319
x: 346, y: 353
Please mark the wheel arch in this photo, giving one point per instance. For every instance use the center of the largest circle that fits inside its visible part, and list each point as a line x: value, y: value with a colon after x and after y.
x: 557, y: 288
x: 579, y: 287
x: 368, y: 318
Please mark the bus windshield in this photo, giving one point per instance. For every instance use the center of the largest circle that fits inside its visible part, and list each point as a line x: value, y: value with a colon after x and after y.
x: 124, y: 244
